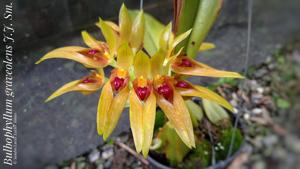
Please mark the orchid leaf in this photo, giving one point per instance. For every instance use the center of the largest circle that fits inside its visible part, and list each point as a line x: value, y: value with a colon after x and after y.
x: 185, y: 15
x: 206, y: 16
x: 196, y: 112
x: 215, y: 113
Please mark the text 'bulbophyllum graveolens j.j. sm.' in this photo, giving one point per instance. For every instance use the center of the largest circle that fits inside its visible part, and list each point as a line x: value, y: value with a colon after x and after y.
x: 142, y: 78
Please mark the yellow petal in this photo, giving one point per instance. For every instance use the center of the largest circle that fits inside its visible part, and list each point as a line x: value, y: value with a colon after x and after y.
x: 115, y: 110
x: 104, y: 103
x: 125, y: 56
x: 148, y: 122
x: 136, y: 120
x: 206, y: 46
x: 187, y: 66
x: 205, y: 93
x: 125, y: 24
x: 68, y: 49
x: 73, y: 53
x: 64, y: 89
x: 157, y: 61
x: 179, y: 117
x: 166, y: 38
x: 91, y: 41
x: 180, y: 38
x: 142, y: 65
x: 86, y: 85
x: 110, y: 36
x: 142, y: 119
x: 114, y: 26
x: 138, y: 31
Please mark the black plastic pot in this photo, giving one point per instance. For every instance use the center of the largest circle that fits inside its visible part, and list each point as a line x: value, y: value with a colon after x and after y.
x: 220, y: 165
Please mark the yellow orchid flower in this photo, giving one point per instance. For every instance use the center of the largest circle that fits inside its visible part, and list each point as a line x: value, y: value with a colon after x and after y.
x: 96, y: 56
x: 86, y: 85
x: 112, y: 101
x: 187, y: 66
x: 142, y: 80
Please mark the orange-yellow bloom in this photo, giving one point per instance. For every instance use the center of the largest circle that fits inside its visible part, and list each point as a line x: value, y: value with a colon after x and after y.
x: 142, y: 113
x: 142, y: 80
x: 96, y: 56
x: 187, y: 66
x: 112, y: 101
x: 86, y: 85
x: 172, y: 104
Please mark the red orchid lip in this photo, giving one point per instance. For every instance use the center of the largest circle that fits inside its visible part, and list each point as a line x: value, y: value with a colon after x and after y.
x: 119, y: 79
x: 183, y: 84
x: 166, y: 91
x: 92, y: 78
x: 185, y: 62
x: 93, y: 51
x: 142, y: 88
x: 89, y: 80
x: 117, y: 83
x: 143, y: 92
x: 95, y: 54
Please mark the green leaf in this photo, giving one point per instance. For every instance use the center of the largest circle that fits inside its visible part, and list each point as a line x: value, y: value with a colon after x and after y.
x: 196, y: 112
x: 206, y: 16
x: 198, y: 157
x: 186, y: 19
x: 283, y: 104
x: 159, y: 119
x: 215, y: 113
x: 153, y: 30
x: 172, y: 146
x: 229, y: 81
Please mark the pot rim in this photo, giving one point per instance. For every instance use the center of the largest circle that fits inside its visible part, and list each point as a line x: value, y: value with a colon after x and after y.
x: 245, y: 147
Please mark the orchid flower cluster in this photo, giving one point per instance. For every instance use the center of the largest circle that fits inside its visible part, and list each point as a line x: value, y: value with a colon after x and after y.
x: 139, y: 80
